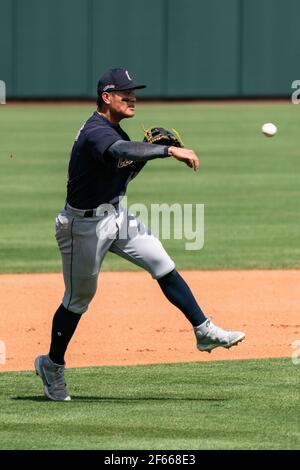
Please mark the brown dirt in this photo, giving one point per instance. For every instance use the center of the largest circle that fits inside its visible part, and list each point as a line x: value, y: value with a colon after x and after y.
x: 130, y: 321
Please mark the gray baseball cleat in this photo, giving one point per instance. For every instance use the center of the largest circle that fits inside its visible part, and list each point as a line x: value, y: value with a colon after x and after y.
x: 53, y: 378
x: 210, y: 336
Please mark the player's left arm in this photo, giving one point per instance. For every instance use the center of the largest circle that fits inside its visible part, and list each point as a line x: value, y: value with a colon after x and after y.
x: 137, y: 151
x: 143, y: 152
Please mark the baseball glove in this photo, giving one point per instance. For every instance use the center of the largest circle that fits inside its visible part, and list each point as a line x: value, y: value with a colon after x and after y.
x: 161, y: 136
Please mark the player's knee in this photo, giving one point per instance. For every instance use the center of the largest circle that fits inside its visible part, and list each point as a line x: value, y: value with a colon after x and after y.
x: 79, y: 305
x: 161, y: 269
x: 82, y: 293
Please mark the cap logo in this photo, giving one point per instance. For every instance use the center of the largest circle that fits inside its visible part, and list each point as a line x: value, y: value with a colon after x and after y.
x: 127, y: 75
x: 109, y: 86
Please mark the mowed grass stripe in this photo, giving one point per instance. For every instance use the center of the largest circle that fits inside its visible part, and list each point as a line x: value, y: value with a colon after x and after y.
x: 249, y: 184
x: 249, y: 404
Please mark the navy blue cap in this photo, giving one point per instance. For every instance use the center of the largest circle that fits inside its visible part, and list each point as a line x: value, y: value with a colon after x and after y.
x: 117, y: 80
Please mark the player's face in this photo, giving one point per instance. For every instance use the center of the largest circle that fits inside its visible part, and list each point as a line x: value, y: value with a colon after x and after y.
x: 122, y: 103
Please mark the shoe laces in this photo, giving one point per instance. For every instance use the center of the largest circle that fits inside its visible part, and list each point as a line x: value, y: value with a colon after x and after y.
x: 209, y: 321
x: 59, y: 378
x: 214, y: 329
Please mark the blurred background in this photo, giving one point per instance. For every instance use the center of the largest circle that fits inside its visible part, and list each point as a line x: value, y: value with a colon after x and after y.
x: 217, y: 52
x: 180, y: 48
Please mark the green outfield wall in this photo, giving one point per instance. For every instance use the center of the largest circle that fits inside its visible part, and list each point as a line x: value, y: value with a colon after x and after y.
x: 180, y: 48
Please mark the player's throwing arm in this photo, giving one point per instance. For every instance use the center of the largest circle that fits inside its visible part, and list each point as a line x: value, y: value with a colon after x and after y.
x: 185, y: 155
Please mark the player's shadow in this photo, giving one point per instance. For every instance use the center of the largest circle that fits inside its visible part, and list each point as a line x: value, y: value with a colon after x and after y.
x: 102, y: 399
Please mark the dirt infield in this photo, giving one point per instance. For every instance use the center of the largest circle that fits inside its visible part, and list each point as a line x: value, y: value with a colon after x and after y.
x: 130, y: 321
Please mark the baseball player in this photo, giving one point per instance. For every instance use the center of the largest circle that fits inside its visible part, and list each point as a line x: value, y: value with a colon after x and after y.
x: 103, y: 161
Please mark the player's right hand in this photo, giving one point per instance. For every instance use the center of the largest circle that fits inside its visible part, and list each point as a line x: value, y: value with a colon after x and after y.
x: 186, y: 156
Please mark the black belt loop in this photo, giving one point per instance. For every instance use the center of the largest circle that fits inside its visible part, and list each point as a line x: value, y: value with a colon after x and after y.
x: 89, y: 213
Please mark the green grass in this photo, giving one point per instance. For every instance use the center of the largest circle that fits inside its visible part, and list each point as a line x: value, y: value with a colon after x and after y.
x: 219, y: 405
x: 250, y: 184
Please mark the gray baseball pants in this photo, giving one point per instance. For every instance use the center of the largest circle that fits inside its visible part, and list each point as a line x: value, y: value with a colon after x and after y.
x: 84, y: 242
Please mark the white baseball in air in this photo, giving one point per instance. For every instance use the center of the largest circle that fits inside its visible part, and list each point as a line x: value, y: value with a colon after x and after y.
x: 269, y: 129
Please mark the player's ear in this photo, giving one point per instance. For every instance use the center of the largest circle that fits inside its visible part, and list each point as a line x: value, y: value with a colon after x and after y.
x: 106, y: 97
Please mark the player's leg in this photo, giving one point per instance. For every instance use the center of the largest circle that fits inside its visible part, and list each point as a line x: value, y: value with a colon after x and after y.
x: 82, y: 252
x: 208, y: 335
x: 138, y: 245
x: 144, y: 249
x: 179, y: 294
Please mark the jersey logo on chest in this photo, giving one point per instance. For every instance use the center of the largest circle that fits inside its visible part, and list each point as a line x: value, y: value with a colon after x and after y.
x: 124, y: 162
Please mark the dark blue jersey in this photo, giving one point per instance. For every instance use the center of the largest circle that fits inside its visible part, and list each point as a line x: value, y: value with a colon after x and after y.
x: 94, y: 177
